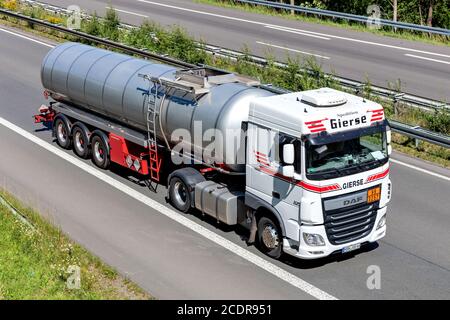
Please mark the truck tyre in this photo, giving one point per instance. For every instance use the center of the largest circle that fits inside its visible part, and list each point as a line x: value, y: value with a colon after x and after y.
x: 80, y: 137
x: 270, y: 239
x: 62, y: 132
x: 179, y: 194
x: 100, y: 150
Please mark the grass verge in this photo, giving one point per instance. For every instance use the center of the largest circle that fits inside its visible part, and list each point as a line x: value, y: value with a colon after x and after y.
x: 340, y: 23
x: 35, y: 263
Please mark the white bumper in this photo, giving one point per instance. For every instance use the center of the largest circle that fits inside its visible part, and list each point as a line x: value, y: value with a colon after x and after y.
x: 305, y: 251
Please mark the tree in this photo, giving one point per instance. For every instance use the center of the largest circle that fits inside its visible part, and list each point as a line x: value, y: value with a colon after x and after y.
x: 430, y: 13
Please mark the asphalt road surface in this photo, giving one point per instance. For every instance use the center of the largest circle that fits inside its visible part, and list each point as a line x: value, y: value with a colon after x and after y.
x: 422, y: 68
x: 186, y: 257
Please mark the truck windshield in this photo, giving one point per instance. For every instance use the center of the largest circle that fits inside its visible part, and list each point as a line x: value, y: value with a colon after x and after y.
x: 348, y: 156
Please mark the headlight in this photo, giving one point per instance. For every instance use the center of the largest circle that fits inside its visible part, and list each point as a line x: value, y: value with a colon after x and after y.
x: 382, y: 222
x: 313, y: 239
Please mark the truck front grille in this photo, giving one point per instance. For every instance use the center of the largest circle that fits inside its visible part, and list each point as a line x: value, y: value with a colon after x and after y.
x: 352, y: 223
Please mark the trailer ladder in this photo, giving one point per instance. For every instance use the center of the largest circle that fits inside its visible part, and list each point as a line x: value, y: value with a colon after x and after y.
x: 154, y: 108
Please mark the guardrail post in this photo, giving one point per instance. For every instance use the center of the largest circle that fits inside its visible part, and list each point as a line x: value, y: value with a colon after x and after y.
x: 397, y: 98
x: 359, y: 89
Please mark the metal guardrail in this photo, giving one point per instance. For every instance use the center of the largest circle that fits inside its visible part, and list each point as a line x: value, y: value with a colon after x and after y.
x: 388, y: 94
x: 413, y: 132
x: 349, y: 16
x: 419, y: 133
x: 384, y: 93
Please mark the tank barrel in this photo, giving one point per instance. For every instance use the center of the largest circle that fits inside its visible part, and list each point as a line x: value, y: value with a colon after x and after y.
x: 119, y: 86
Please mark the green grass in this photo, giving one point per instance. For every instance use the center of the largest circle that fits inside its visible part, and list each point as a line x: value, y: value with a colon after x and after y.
x: 34, y: 262
x: 402, y: 34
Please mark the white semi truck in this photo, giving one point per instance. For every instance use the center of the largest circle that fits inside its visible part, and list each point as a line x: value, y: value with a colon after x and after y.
x: 307, y: 173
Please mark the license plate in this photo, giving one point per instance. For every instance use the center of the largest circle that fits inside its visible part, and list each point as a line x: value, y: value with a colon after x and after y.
x: 351, y: 248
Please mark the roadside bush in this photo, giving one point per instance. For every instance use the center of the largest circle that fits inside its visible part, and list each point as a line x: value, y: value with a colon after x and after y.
x: 438, y: 121
x: 110, y: 26
x: 92, y: 26
x: 10, y: 5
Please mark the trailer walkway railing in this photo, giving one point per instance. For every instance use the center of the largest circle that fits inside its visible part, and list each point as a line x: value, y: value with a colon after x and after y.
x: 349, y: 17
x: 404, y: 129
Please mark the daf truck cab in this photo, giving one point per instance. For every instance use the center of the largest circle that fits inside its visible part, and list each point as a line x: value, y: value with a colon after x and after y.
x: 319, y: 161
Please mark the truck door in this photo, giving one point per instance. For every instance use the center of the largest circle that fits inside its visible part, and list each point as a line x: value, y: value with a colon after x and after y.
x: 265, y: 179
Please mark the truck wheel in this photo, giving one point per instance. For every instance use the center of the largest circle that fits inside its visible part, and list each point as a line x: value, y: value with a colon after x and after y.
x: 100, y: 151
x: 62, y: 133
x: 269, y: 237
x: 80, y: 136
x: 179, y: 194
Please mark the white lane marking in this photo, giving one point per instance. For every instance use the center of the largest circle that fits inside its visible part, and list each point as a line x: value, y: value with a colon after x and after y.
x: 290, y: 49
x: 425, y: 58
x: 28, y: 38
x: 431, y: 173
x: 171, y: 214
x: 288, y: 28
x: 129, y: 12
x: 297, y: 32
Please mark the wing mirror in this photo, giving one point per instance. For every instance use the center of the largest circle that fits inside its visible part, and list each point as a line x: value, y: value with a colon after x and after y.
x: 388, y: 136
x: 288, y: 160
x: 389, y: 149
x: 288, y: 171
x: 288, y: 154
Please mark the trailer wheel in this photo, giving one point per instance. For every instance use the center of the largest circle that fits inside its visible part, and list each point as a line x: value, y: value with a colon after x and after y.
x: 269, y: 237
x: 62, y: 132
x: 80, y: 136
x: 179, y: 194
x: 100, y: 150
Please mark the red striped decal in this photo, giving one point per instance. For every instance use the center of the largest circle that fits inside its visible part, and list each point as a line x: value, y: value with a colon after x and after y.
x: 316, y: 125
x: 263, y: 162
x: 378, y: 176
x: 377, y: 115
x: 261, y: 158
x: 315, y: 122
x: 301, y: 184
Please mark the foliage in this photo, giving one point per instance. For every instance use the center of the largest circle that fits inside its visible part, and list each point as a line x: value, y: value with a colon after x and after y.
x: 411, y: 11
x: 92, y: 26
x: 35, y: 261
x: 9, y: 4
x: 438, y: 121
x: 110, y: 26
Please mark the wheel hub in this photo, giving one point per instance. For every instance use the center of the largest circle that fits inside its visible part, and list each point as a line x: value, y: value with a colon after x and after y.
x: 79, y: 141
x: 270, y: 237
x: 180, y: 192
x: 98, y: 151
x: 62, y: 133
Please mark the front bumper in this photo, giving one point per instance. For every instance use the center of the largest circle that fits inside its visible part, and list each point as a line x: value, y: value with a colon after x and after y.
x: 305, y: 251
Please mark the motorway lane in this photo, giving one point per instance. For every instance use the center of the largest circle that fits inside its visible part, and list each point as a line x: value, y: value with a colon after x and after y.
x: 423, y: 68
x: 172, y: 262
